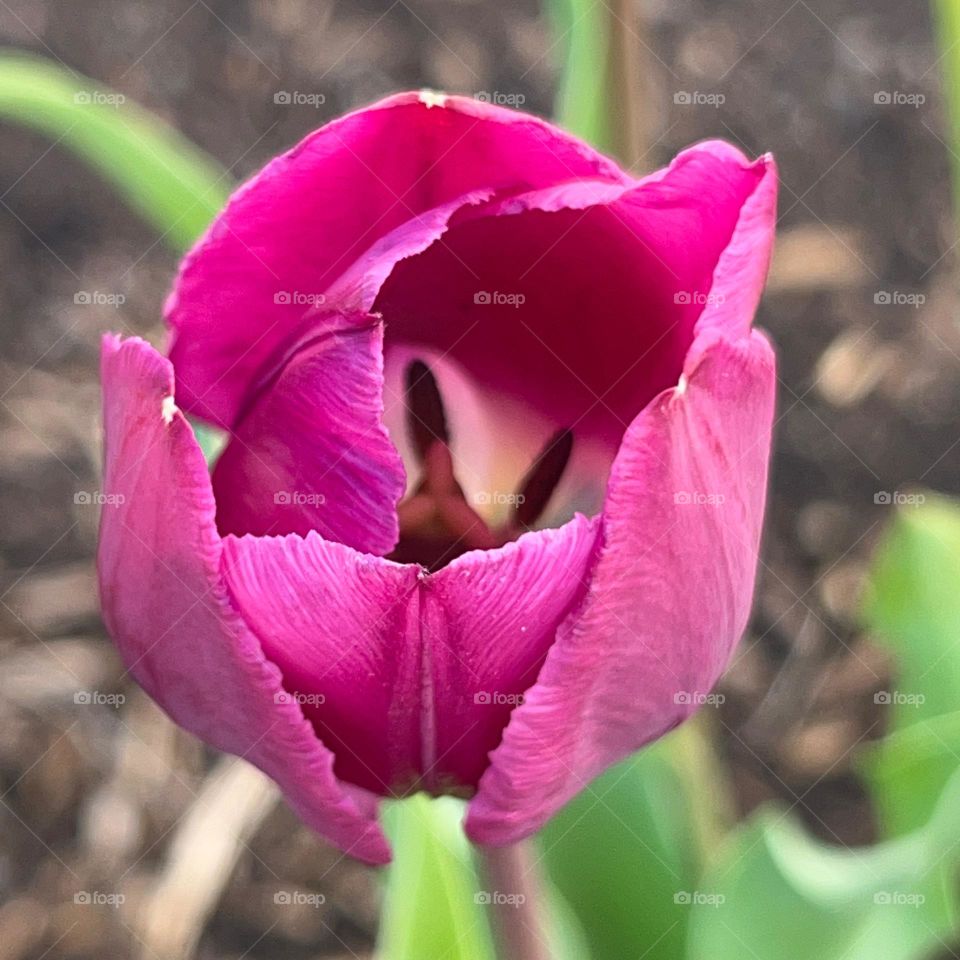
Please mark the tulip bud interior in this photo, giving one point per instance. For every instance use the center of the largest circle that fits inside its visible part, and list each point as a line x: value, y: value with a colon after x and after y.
x: 437, y: 523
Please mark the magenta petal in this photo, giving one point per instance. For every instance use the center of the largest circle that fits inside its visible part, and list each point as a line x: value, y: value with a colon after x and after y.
x: 309, y: 451
x: 574, y: 305
x: 166, y: 606
x: 741, y: 271
x: 669, y: 598
x: 357, y: 287
x: 488, y: 620
x: 408, y: 678
x: 342, y: 628
x: 291, y: 231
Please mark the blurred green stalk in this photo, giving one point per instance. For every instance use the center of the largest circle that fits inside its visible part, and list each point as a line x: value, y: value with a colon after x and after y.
x: 172, y: 183
x: 599, y: 98
x: 946, y: 21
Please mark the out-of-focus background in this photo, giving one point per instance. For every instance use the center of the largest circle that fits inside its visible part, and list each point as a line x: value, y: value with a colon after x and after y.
x: 99, y: 793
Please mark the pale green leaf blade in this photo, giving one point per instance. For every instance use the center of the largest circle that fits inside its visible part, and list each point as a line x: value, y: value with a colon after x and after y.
x: 627, y: 852
x: 913, y: 605
x: 908, y: 770
x: 173, y: 184
x: 778, y: 892
x: 599, y: 97
x: 946, y: 20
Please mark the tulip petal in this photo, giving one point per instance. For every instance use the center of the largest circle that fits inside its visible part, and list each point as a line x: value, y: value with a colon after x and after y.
x: 309, y: 451
x: 669, y: 598
x: 507, y: 291
x: 166, y: 605
x: 411, y: 681
x: 741, y: 271
x: 342, y: 627
x: 527, y: 293
x: 488, y: 620
x: 241, y: 290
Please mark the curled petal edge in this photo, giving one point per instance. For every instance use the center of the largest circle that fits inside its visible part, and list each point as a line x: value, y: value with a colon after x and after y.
x: 166, y: 605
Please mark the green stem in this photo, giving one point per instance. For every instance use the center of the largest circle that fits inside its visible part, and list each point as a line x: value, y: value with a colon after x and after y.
x: 517, y: 903
x: 433, y: 905
x: 599, y: 97
x: 946, y: 18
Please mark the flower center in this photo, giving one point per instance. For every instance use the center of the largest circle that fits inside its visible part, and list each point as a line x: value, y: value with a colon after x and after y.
x: 437, y: 523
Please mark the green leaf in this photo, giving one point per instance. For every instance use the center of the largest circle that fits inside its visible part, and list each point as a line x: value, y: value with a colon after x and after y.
x: 908, y: 770
x: 568, y: 939
x: 212, y: 440
x: 598, y: 97
x: 778, y: 892
x: 173, y: 184
x: 625, y: 851
x: 581, y: 31
x: 430, y: 910
x: 913, y: 605
x: 946, y: 20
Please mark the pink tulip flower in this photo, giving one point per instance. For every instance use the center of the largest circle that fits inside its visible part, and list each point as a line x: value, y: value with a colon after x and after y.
x: 489, y: 514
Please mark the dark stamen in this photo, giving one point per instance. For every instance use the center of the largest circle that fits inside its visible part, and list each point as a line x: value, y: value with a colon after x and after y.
x: 542, y: 478
x: 437, y: 524
x: 426, y: 418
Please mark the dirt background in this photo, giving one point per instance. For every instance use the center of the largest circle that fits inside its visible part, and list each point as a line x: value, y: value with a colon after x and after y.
x: 92, y: 795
